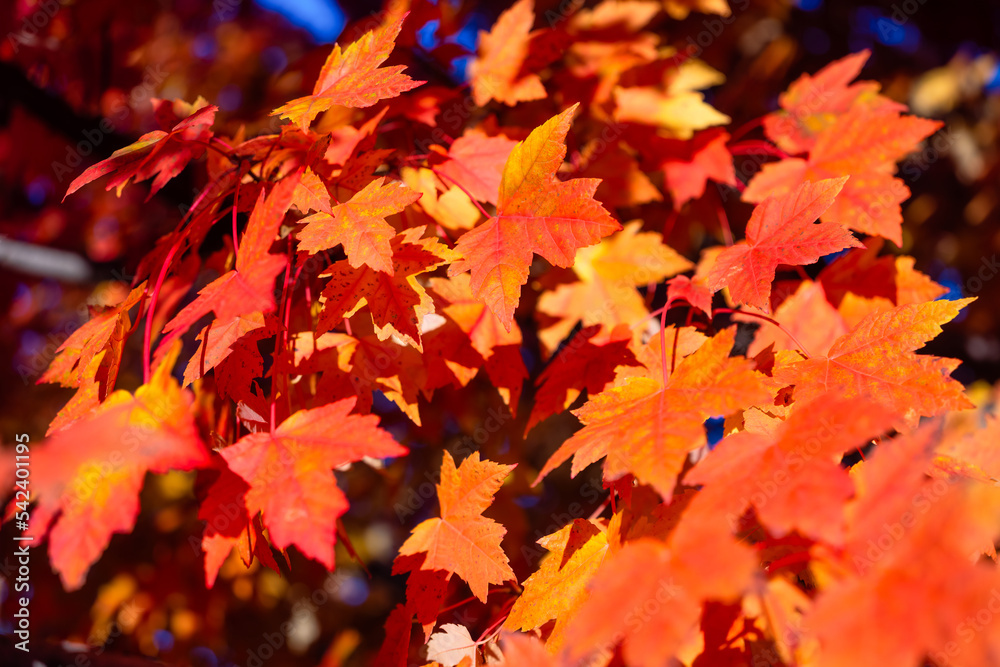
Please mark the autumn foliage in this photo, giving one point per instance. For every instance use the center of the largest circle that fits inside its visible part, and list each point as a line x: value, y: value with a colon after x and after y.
x: 375, y: 272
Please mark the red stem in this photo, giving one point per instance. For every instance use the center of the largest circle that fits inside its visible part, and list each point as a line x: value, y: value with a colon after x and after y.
x: 673, y: 355
x: 772, y: 321
x: 720, y: 212
x: 466, y: 601
x: 204, y: 347
x: 281, y: 338
x: 790, y: 559
x: 504, y: 613
x: 461, y: 187
x: 346, y: 541
x: 600, y: 510
x: 746, y: 128
x: 757, y: 147
x: 663, y: 347
x: 236, y: 205
x: 147, y: 335
x: 668, y: 224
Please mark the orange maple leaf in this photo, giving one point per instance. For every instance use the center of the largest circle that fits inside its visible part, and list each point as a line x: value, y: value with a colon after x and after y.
x: 475, y: 161
x: 499, y: 349
x: 814, y: 101
x: 907, y: 563
x: 865, y: 145
x: 693, y: 291
x: 158, y: 153
x: 352, y: 77
x: 623, y: 183
x: 360, y: 225
x: 87, y: 493
x: 537, y: 213
x: 650, y: 594
x: 646, y: 428
x: 877, y: 358
x: 520, y: 649
x: 676, y: 110
x: 220, y: 338
x: 290, y: 473
x: 228, y: 525
x: 792, y: 476
x: 610, y: 273
x: 498, y: 73
x: 462, y: 540
x: 687, y: 164
x: 398, y: 303
x: 356, y: 366
x: 559, y: 586
x: 90, y: 358
x: 780, y: 231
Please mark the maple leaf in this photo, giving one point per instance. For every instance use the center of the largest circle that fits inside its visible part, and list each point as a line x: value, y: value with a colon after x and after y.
x: 311, y: 194
x: 627, y: 17
x: 906, y: 562
x: 877, y: 358
x: 447, y: 206
x: 158, y: 153
x: 677, y: 110
x: 483, y: 328
x: 451, y: 646
x: 792, y: 476
x: 650, y: 594
x: 609, y: 274
x: 88, y: 493
x: 89, y: 359
x: 395, y: 648
x: 623, y: 183
x: 861, y: 272
x: 912, y: 286
x: 588, y: 362
x: 780, y: 231
x: 493, y: 348
x: 476, y: 161
x: 865, y: 145
x: 228, y: 525
x: 646, y: 428
x: 250, y: 286
x: 901, y: 284
x: 537, y: 214
x: 360, y: 225
x: 462, y: 540
x: 236, y: 373
x: 559, y: 586
x: 396, y: 300
x: 973, y: 455
x: 87, y: 396
x: 498, y: 73
x: 814, y: 101
x: 290, y: 473
x: 425, y: 589
x: 694, y: 292
x: 360, y: 364
x: 689, y: 164
x: 352, y: 77
x: 220, y: 339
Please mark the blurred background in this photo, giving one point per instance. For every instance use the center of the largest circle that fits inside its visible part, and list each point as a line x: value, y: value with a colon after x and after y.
x: 76, y: 83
